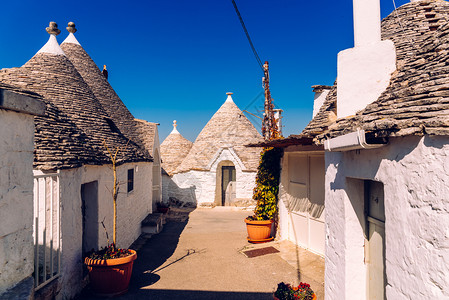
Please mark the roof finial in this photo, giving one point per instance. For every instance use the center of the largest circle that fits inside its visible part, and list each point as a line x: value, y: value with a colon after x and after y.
x: 71, y: 38
x: 105, y: 72
x: 53, y: 28
x: 71, y: 27
x: 174, y: 127
x: 229, y: 99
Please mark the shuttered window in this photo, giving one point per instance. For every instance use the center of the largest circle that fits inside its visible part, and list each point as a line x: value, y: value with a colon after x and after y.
x: 130, y: 180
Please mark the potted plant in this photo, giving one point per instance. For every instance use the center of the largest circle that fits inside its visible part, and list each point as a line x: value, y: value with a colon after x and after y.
x: 266, y: 194
x: 110, y: 268
x: 288, y: 292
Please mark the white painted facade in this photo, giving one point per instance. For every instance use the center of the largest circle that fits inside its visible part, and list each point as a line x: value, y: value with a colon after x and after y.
x: 52, y: 46
x: 157, y: 177
x: 202, y: 187
x: 132, y: 208
x: 16, y: 198
x: 364, y: 71
x: 414, y: 172
x: 301, y: 199
x: 318, y: 100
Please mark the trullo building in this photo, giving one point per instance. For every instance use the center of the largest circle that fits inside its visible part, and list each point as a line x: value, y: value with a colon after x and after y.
x: 72, y: 167
x: 174, y: 149
x: 218, y: 168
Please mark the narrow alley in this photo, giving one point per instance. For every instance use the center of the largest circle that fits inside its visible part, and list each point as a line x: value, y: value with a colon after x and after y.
x: 200, y: 254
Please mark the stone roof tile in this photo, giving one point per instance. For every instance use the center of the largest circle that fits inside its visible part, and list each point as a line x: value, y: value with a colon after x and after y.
x: 105, y: 94
x: 228, y: 128
x: 416, y: 100
x: 75, y: 125
x: 173, y: 150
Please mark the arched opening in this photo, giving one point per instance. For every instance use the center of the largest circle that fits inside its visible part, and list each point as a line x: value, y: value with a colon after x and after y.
x: 225, y: 183
x: 156, y: 178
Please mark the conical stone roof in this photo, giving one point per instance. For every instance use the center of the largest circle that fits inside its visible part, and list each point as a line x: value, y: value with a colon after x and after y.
x: 174, y: 149
x: 228, y: 128
x: 148, y: 134
x: 102, y: 90
x: 75, y: 125
x: 415, y: 102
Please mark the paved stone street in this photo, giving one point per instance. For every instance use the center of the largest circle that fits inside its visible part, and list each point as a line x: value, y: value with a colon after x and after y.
x: 199, y: 255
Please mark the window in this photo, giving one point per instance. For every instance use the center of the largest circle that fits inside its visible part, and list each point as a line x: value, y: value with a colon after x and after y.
x: 130, y: 180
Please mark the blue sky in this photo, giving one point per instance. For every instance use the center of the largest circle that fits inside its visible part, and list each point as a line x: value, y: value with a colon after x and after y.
x: 176, y: 59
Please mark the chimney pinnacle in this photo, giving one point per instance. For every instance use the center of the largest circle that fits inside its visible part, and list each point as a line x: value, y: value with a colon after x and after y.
x: 229, y: 98
x: 53, y: 29
x: 71, y: 27
x: 174, y: 127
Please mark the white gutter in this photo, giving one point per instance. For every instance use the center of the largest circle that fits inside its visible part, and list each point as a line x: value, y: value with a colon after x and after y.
x: 351, y: 141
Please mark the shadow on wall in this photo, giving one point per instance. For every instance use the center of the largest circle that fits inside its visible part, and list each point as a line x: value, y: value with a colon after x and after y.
x: 187, y: 194
x: 368, y: 161
x: 48, y: 273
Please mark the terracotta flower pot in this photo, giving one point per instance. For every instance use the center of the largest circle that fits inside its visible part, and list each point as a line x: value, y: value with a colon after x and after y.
x: 110, y: 277
x: 276, y: 298
x: 259, y: 231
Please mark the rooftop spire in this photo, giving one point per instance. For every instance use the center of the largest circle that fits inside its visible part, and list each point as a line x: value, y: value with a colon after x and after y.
x: 71, y: 27
x: 174, y: 127
x: 53, y: 29
x: 52, y: 45
x: 71, y: 37
x: 229, y: 99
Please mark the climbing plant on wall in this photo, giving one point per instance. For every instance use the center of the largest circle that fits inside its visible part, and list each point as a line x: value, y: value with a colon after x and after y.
x: 267, y: 184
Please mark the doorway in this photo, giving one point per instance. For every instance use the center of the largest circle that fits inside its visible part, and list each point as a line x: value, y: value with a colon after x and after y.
x: 227, y: 175
x: 375, y: 239
x: 89, y: 206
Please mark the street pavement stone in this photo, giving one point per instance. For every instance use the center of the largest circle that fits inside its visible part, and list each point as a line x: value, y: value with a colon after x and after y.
x: 199, y: 255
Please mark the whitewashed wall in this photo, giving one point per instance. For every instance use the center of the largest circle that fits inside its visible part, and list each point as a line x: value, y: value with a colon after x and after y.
x: 200, y: 186
x: 132, y: 208
x: 301, y: 188
x: 157, y: 175
x: 415, y: 174
x: 165, y: 184
x: 16, y: 197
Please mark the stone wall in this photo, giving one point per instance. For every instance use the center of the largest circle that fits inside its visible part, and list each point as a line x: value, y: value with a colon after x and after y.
x: 17, y: 111
x: 16, y: 198
x: 132, y: 208
x: 415, y: 175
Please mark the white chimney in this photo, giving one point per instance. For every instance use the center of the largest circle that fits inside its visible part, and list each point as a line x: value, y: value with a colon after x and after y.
x: 366, y: 22
x: 321, y: 92
x: 364, y: 71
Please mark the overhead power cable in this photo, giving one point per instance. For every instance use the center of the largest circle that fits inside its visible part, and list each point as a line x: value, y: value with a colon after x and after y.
x: 247, y: 36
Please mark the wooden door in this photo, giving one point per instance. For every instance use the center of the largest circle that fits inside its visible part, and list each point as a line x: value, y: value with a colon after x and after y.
x: 89, y: 198
x: 227, y: 175
x: 375, y: 247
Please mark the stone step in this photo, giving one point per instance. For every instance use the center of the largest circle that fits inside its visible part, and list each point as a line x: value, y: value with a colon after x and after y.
x: 153, y: 223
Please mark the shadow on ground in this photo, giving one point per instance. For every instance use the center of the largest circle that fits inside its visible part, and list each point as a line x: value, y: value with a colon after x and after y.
x: 151, y: 255
x: 154, y: 253
x: 197, y: 295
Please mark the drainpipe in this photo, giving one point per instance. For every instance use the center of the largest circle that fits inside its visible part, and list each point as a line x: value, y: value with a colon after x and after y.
x: 351, y: 141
